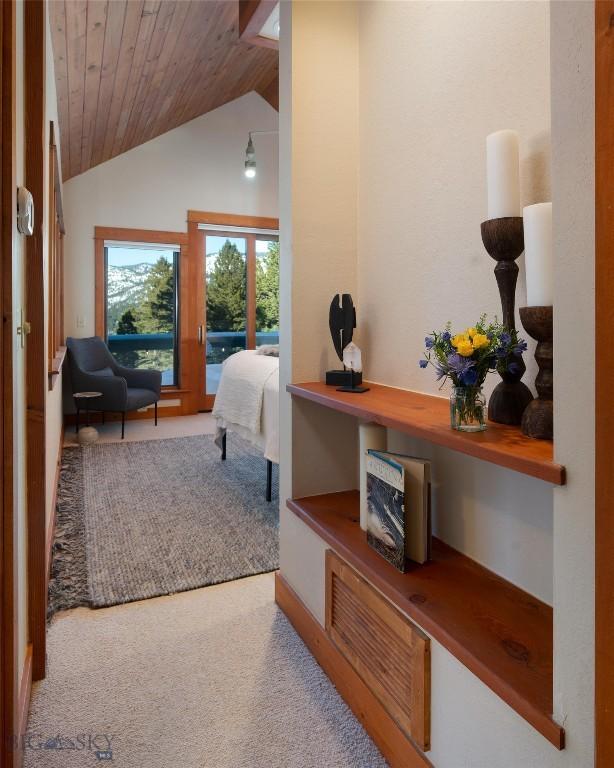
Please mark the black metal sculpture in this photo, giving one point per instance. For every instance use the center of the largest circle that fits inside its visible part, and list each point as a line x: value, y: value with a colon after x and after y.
x: 342, y: 321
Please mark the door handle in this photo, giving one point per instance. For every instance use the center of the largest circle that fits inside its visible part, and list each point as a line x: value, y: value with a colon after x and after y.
x: 201, y: 335
x: 23, y: 329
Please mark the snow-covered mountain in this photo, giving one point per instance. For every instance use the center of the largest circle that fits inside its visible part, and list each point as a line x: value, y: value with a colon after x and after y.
x: 125, y: 288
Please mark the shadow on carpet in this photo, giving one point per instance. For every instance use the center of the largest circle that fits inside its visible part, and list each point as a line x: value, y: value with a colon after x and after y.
x: 142, y: 519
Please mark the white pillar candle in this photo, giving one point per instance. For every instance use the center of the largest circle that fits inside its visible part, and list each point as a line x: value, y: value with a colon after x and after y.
x: 369, y: 436
x: 503, y: 174
x: 538, y: 254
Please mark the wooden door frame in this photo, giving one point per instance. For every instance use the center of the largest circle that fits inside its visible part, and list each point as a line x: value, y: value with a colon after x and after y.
x: 201, y: 400
x: 9, y: 693
x: 36, y: 345
x: 604, y: 353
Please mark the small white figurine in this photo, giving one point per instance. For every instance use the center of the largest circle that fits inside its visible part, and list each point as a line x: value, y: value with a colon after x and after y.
x: 352, y: 357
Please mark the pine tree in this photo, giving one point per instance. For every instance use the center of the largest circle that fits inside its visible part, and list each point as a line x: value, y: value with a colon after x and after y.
x: 267, y: 290
x: 157, y: 311
x: 226, y: 291
x: 126, y: 323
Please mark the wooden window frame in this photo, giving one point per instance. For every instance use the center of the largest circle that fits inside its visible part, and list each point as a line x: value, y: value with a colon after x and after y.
x: 153, y: 237
x: 55, y: 321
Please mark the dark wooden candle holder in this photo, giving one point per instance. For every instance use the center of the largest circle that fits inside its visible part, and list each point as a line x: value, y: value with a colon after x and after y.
x: 504, y: 241
x: 537, y: 418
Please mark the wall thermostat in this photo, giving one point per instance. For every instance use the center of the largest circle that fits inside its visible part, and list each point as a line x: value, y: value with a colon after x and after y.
x: 25, y: 211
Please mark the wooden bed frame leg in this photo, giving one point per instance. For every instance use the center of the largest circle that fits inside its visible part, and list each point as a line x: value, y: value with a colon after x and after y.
x: 224, y: 446
x: 269, y: 478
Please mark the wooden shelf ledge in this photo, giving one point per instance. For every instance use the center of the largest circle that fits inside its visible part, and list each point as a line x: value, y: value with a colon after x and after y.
x: 428, y: 417
x: 55, y: 366
x: 498, y: 631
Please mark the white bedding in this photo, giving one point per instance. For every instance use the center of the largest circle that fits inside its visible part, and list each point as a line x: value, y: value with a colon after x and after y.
x: 247, y: 401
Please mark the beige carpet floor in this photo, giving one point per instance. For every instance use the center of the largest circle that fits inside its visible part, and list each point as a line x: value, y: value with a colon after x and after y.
x: 212, y: 678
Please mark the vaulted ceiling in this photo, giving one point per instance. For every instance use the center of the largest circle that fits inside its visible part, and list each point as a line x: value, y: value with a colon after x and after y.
x: 129, y: 70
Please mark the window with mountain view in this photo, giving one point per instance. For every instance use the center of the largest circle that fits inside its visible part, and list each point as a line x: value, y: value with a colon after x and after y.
x: 141, y: 307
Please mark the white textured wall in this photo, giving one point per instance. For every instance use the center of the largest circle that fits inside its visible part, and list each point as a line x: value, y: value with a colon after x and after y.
x: 54, y: 415
x: 197, y: 166
x: 318, y: 209
x: 435, y: 78
x: 573, y: 146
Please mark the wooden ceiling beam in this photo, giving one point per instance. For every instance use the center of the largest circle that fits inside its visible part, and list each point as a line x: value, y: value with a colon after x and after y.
x: 253, y: 14
x: 270, y: 92
x: 129, y: 70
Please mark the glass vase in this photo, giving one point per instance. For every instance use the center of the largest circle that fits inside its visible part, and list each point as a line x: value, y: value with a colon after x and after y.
x: 468, y: 409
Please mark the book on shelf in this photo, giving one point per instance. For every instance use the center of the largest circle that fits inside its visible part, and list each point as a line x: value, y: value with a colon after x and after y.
x: 399, y: 507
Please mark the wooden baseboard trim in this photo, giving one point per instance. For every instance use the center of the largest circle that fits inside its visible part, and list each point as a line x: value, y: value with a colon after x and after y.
x: 23, y: 703
x: 398, y: 750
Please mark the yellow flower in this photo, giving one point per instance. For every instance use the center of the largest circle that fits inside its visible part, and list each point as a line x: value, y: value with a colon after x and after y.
x: 459, y: 339
x: 480, y: 340
x: 465, y: 348
x: 470, y: 332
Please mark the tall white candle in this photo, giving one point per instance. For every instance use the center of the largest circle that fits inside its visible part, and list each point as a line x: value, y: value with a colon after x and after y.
x: 369, y: 436
x: 538, y: 254
x: 503, y: 174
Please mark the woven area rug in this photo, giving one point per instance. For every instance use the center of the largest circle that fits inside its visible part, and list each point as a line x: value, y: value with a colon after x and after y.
x: 142, y: 519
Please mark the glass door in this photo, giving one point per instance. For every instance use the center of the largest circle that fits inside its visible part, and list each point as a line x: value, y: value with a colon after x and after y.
x: 225, y: 303
x: 236, y: 297
x: 267, y: 292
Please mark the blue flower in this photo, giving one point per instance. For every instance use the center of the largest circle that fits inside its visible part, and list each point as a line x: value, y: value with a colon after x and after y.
x: 459, y: 365
x: 429, y: 343
x: 513, y: 368
x: 501, y: 352
x: 423, y: 363
x: 469, y: 377
x: 520, y: 348
x: 446, y: 336
x: 506, y: 338
x: 441, y: 371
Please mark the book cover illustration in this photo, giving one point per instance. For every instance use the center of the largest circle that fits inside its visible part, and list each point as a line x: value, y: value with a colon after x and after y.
x: 386, y: 507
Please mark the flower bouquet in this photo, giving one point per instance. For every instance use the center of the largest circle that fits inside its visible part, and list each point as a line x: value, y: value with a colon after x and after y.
x: 466, y: 359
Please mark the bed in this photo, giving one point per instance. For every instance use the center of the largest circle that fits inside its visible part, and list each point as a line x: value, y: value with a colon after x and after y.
x: 247, y: 403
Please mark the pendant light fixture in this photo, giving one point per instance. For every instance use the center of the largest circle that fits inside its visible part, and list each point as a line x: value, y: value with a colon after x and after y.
x: 250, y: 154
x: 250, y: 159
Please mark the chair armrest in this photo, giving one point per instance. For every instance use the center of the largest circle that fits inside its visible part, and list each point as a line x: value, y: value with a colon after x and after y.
x: 113, y: 388
x: 142, y: 378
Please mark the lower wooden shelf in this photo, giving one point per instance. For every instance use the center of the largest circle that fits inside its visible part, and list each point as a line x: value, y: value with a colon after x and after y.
x: 498, y: 631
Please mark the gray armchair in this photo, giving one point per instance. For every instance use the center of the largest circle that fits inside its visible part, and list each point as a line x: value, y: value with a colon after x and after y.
x: 93, y: 368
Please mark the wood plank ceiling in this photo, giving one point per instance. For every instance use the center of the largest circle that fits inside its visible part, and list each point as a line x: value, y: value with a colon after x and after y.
x: 129, y: 70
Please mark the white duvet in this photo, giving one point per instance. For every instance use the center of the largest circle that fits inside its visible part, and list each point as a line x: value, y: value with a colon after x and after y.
x: 247, y: 400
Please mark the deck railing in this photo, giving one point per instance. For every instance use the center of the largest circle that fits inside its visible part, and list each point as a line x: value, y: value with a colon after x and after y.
x: 156, y: 350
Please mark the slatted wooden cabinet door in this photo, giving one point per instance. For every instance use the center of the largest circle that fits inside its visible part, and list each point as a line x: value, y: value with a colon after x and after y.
x: 385, y: 648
